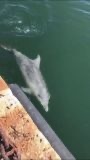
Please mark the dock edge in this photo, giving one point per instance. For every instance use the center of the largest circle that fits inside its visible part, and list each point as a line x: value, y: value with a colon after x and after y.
x: 41, y: 123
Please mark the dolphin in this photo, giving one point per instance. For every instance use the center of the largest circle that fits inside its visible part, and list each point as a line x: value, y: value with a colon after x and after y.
x: 33, y: 77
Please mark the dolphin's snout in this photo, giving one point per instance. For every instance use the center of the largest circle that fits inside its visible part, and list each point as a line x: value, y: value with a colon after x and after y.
x: 46, y: 108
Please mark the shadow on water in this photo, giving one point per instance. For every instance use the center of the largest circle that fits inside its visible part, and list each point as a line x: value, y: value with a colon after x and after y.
x: 9, y: 69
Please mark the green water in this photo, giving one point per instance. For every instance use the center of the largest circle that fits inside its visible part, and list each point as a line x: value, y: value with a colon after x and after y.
x: 60, y: 32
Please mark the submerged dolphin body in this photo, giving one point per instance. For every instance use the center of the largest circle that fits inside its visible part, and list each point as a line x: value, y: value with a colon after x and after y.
x: 33, y: 77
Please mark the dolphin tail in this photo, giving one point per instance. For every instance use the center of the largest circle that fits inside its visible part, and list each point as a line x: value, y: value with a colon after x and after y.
x: 6, y: 48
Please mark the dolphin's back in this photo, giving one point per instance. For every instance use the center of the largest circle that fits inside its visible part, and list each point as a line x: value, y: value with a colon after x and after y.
x: 33, y: 74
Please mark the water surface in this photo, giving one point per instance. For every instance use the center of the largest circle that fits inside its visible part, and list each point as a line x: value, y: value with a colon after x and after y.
x: 60, y: 32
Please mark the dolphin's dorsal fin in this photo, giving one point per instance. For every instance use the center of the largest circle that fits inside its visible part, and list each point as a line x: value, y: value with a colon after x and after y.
x: 37, y: 61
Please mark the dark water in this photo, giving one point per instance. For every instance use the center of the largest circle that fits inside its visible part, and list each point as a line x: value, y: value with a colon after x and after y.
x: 60, y: 32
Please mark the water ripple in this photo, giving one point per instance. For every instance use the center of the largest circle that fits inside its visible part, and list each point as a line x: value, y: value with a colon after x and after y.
x: 21, y: 19
x: 82, y: 11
